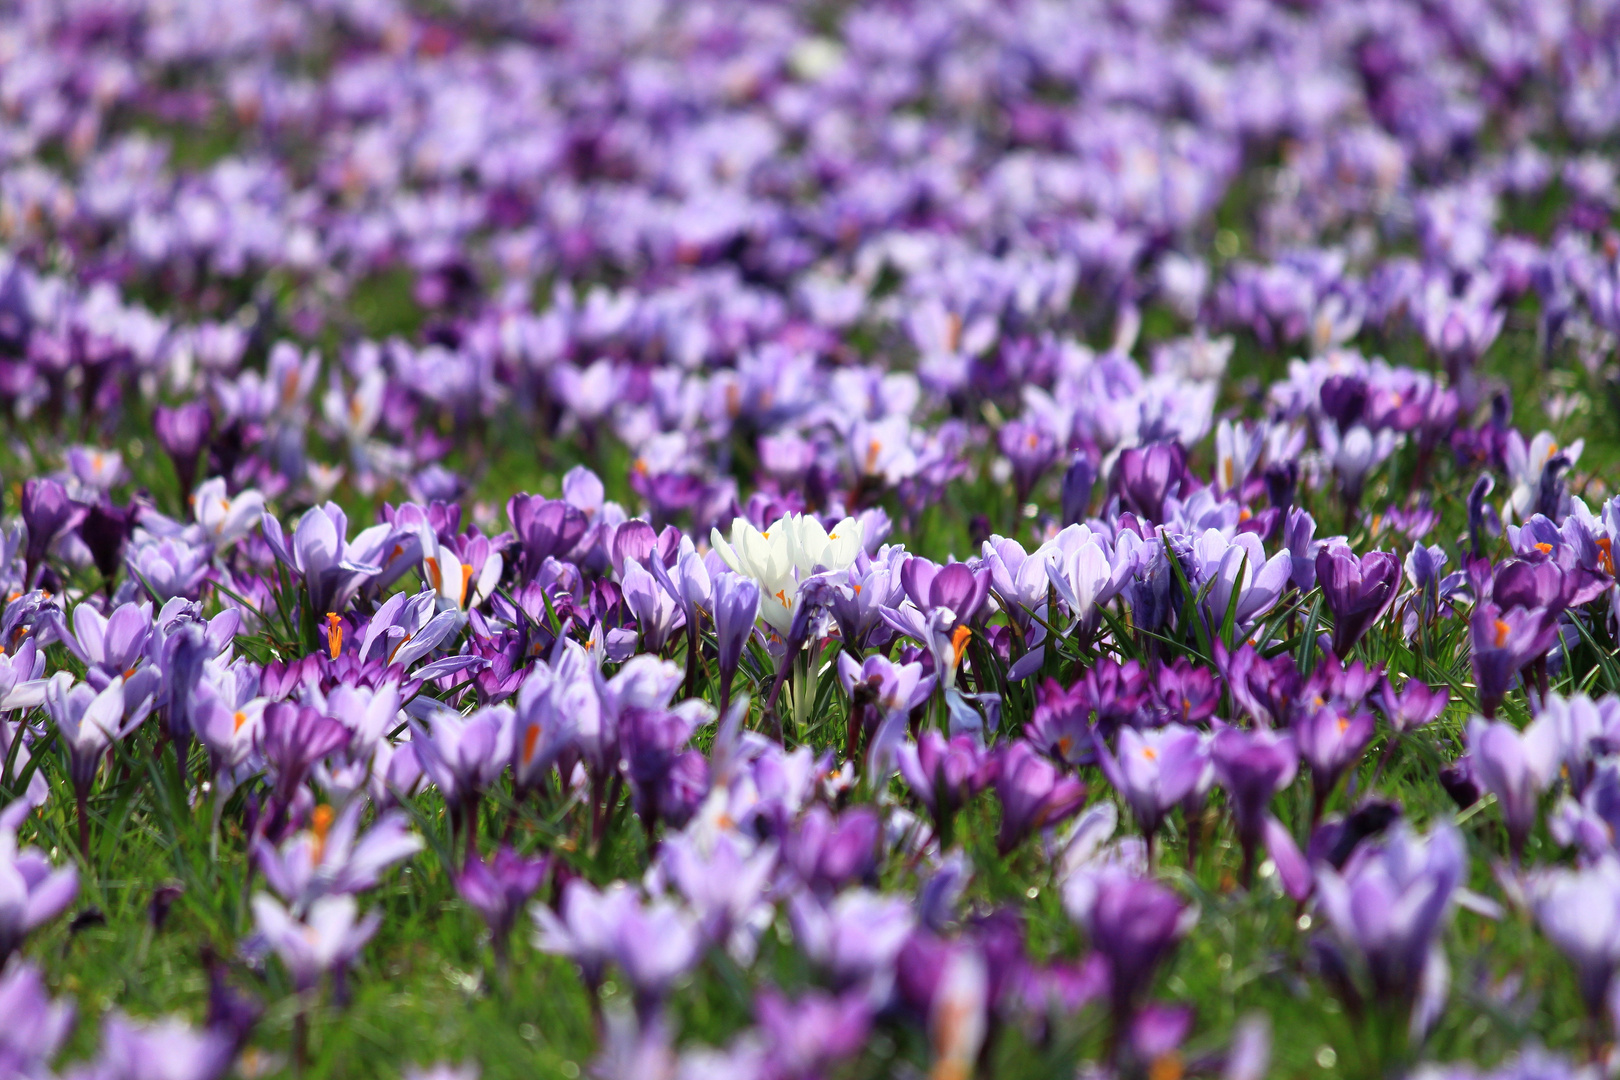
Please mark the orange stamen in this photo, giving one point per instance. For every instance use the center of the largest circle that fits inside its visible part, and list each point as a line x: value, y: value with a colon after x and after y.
x: 334, y: 633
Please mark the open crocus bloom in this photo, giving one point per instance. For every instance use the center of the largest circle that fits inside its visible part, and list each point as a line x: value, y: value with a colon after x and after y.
x: 784, y: 556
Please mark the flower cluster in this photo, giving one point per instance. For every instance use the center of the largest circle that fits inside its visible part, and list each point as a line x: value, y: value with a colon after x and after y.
x: 988, y: 539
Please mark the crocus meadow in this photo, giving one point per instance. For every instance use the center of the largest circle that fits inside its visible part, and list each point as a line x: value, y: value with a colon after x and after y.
x: 780, y: 539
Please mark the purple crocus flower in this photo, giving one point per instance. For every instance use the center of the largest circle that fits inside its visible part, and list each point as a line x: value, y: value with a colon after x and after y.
x: 736, y: 607
x: 1386, y: 909
x: 1516, y: 767
x: 334, y: 568
x: 953, y: 587
x: 1145, y: 475
x: 658, y: 613
x: 1417, y: 705
x: 1031, y: 449
x: 169, y: 1047
x: 32, y: 893
x: 463, y: 755
x: 1154, y: 770
x: 945, y: 774
x: 1331, y: 740
x: 1033, y: 793
x: 1253, y: 766
x: 1357, y: 590
x: 1061, y: 724
x: 48, y: 512
x: 853, y: 938
x: 827, y: 851
x: 1579, y: 910
x: 292, y: 739
x: 653, y: 943
x: 325, y: 940
x: 334, y: 856
x: 1503, y: 643
x: 545, y: 529
x: 89, y: 722
x: 857, y: 596
x: 36, y: 1027
x: 497, y: 889
x: 183, y: 432
x: 808, y: 1036
x: 1135, y: 924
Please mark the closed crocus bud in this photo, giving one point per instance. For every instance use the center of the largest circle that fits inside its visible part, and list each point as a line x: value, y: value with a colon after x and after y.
x: 1145, y: 475
x: 1078, y: 481
x: 105, y: 531
x: 47, y: 512
x: 1357, y: 590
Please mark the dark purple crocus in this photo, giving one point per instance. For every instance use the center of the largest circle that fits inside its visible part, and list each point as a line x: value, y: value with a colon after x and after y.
x: 106, y: 531
x: 1503, y: 643
x: 1061, y: 724
x: 945, y: 774
x: 1145, y: 475
x: 1357, y: 590
x: 1135, y: 924
x: 545, y: 528
x: 498, y: 889
x: 48, y: 512
x: 1253, y: 766
x: 952, y: 587
x: 1033, y: 793
x: 183, y: 432
x: 650, y: 742
x: 1417, y: 705
x: 1078, y: 481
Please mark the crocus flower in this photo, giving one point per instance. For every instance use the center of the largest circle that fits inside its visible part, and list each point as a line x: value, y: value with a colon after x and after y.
x: 498, y: 889
x: 1331, y: 740
x: 183, y: 431
x: 334, y: 856
x: 652, y: 943
x: 1061, y: 724
x: 725, y: 882
x: 1503, y: 643
x: 1579, y: 910
x: 736, y: 606
x: 953, y: 588
x: 169, y: 1047
x: 658, y: 613
x: 223, y: 519
x: 1145, y: 475
x: 856, y: 936
x: 36, y: 1026
x: 1253, y: 766
x: 1154, y: 770
x: 326, y: 939
x: 32, y: 893
x: 89, y: 722
x: 463, y: 755
x: 1135, y: 924
x: 48, y: 513
x: 1387, y: 906
x: 1033, y: 794
x: 1357, y: 590
x: 334, y: 568
x: 945, y: 774
x: 1516, y: 767
x: 808, y: 1036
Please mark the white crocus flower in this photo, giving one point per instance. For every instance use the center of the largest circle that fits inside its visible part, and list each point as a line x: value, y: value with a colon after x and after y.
x: 788, y: 553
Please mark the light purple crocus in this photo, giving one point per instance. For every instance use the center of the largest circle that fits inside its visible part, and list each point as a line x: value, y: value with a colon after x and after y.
x: 1579, y: 910
x: 1387, y: 906
x: 326, y: 939
x: 1154, y: 770
x: 32, y: 892
x: 1331, y: 740
x: 333, y: 856
x: 498, y: 889
x: 1516, y: 767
